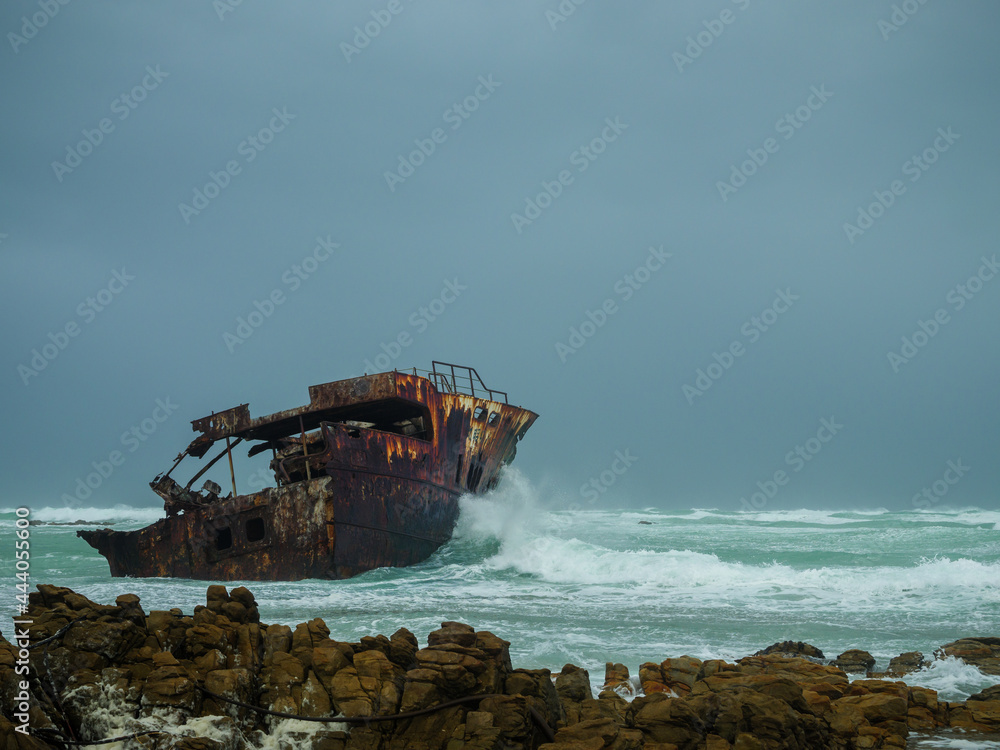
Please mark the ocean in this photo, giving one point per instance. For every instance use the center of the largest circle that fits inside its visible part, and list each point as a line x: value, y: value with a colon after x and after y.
x: 630, y: 586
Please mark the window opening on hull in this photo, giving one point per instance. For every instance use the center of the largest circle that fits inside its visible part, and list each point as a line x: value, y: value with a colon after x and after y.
x: 494, y: 418
x: 255, y: 529
x: 224, y: 539
x: 479, y: 414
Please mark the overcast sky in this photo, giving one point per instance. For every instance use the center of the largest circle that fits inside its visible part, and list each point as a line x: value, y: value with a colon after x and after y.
x: 724, y: 240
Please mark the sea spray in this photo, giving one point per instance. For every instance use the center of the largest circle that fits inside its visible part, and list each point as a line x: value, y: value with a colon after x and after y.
x: 953, y: 679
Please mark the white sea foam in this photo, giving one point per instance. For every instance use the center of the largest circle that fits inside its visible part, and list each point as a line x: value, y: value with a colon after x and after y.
x: 816, y: 517
x: 954, y: 679
x: 296, y: 733
x: 545, y: 546
x: 120, y: 514
x: 106, y: 713
x: 949, y: 740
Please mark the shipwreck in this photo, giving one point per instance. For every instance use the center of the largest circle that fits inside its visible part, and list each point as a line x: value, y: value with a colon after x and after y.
x: 367, y: 475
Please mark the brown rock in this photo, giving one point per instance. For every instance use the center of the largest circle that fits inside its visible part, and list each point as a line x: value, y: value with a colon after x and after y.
x: 593, y: 734
x: 616, y: 678
x: 680, y: 674
x: 792, y: 648
x: 145, y: 664
x: 110, y: 639
x: 169, y: 686
x: 825, y: 679
x: 235, y: 612
x: 12, y: 740
x: 277, y: 639
x: 130, y: 609
x: 774, y: 686
x: 855, y: 661
x: 200, y: 639
x: 537, y: 683
x: 215, y: 597
x: 985, y: 712
x: 453, y: 632
x: 211, y: 661
x: 236, y: 684
x: 372, y: 685
x: 819, y: 704
x: 511, y: 716
x: 989, y: 694
x: 715, y: 742
x: 573, y: 684
x: 327, y: 659
x: 883, y: 687
x: 306, y: 637
x: 573, y: 688
x: 664, y: 719
x: 651, y: 679
x: 714, y: 666
x: 911, y: 661
x: 403, y: 647
x: 920, y: 718
x: 244, y: 596
x: 314, y: 701
x: 858, y: 714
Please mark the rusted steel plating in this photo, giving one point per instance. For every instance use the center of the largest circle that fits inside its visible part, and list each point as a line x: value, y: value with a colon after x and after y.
x: 368, y: 474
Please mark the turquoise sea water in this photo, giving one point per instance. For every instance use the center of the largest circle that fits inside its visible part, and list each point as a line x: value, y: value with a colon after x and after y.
x: 628, y: 586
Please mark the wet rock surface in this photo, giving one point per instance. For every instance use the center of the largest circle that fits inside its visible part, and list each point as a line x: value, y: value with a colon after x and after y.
x: 205, y: 682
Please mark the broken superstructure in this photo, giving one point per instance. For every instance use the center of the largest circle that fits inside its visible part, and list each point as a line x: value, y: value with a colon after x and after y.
x: 367, y: 475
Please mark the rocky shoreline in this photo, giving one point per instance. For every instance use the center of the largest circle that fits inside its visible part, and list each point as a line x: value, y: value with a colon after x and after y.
x: 221, y: 680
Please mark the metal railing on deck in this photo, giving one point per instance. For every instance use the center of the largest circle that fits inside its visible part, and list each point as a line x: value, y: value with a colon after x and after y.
x: 459, y: 379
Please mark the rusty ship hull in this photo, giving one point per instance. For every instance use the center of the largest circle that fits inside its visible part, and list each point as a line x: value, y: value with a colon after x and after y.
x: 367, y: 475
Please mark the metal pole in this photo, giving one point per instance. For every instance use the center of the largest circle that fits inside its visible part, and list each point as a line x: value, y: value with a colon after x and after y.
x: 305, y: 449
x: 232, y: 474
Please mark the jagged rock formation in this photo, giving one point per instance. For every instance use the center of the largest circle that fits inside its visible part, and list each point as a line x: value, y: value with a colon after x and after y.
x: 202, y: 682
